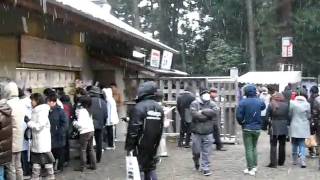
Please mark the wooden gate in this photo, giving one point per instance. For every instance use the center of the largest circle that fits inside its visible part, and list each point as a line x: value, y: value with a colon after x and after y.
x: 227, y: 88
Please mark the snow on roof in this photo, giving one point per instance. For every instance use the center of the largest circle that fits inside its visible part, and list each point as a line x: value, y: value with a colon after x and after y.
x: 91, y: 9
x: 271, y: 77
x: 281, y: 78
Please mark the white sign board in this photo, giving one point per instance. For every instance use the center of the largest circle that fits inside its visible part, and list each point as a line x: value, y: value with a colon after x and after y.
x: 287, y: 47
x: 166, y: 60
x: 155, y: 58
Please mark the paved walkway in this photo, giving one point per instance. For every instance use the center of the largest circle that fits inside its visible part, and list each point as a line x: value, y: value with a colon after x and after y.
x: 179, y: 166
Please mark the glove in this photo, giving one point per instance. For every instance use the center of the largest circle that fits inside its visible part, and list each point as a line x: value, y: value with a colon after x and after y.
x: 208, y: 112
x: 26, y: 119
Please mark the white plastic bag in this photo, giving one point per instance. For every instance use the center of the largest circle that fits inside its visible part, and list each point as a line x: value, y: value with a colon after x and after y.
x: 133, y: 171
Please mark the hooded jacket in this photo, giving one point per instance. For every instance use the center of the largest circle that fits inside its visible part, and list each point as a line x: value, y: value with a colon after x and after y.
x: 183, y: 105
x: 40, y: 126
x: 249, y: 110
x: 113, y: 117
x: 5, y: 133
x: 300, y: 113
x: 145, y: 127
x: 278, y: 112
x: 18, y: 113
x: 204, y: 115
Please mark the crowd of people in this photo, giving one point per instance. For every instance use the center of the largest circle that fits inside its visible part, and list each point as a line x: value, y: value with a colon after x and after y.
x: 292, y: 115
x: 35, y: 129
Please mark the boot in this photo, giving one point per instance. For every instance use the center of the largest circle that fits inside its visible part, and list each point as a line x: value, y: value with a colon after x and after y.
x: 50, y: 171
x: 36, y: 170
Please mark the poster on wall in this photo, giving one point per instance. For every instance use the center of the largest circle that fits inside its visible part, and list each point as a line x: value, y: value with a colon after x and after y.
x: 155, y: 58
x: 287, y: 47
x: 166, y: 60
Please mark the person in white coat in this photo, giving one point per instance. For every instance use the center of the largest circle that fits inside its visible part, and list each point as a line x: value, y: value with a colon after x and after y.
x: 14, y: 171
x: 300, y: 113
x: 84, y: 124
x: 265, y: 97
x: 41, y: 137
x: 112, y: 119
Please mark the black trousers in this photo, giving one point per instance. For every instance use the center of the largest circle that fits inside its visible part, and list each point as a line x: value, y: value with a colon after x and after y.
x: 274, y: 160
x: 98, y: 136
x: 58, y: 154
x: 216, y: 136
x: 185, y: 133
x: 108, y: 136
x: 67, y: 149
x: 26, y: 166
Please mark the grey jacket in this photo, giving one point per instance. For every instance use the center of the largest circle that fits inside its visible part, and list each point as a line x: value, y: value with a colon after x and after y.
x: 204, y: 115
x: 300, y: 113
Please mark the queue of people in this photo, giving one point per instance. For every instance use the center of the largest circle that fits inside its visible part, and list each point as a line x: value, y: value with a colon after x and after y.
x: 35, y: 129
x: 286, y: 116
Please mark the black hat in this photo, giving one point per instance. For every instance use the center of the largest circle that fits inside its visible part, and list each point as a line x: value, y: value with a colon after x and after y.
x: 314, y: 90
x: 95, y: 90
x: 203, y: 90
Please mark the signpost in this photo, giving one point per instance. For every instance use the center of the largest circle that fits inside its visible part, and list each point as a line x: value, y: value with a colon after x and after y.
x: 166, y: 60
x: 287, y: 47
x: 155, y: 58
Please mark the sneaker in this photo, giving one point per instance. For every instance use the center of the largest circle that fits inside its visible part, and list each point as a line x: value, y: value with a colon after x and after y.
x: 111, y: 148
x: 303, y: 164
x: 207, y: 173
x: 255, y: 169
x: 251, y: 173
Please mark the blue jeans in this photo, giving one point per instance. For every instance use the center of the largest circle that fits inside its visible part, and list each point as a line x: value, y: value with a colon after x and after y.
x: 298, y: 148
x: 202, y: 147
x: 2, y: 173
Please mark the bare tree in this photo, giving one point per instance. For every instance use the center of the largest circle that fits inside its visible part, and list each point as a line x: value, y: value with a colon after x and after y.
x: 135, y: 12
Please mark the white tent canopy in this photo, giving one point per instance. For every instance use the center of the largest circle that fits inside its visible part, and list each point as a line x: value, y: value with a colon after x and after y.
x: 282, y: 78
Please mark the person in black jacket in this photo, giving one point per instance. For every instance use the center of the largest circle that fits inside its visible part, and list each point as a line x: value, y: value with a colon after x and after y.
x: 59, y: 126
x: 278, y: 120
x: 145, y: 129
x: 99, y: 113
x: 183, y: 107
x: 204, y: 114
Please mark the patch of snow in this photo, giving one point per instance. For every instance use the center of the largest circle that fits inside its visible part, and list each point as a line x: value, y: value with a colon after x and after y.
x: 155, y: 5
x: 89, y: 8
x: 144, y: 3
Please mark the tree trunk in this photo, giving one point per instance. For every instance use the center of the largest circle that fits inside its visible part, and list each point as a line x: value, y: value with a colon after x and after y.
x: 135, y: 12
x: 252, y: 41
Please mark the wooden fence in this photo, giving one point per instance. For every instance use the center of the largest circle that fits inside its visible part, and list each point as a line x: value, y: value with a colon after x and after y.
x: 227, y: 88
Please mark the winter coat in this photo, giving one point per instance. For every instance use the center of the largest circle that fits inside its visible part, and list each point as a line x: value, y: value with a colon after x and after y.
x: 59, y: 126
x: 265, y: 97
x: 18, y: 114
x: 145, y: 127
x: 204, y: 115
x: 183, y: 106
x: 278, y: 113
x: 249, y: 110
x: 315, y: 111
x: 99, y: 112
x: 300, y: 114
x: 40, y: 126
x: 5, y: 133
x: 84, y: 122
x: 113, y: 117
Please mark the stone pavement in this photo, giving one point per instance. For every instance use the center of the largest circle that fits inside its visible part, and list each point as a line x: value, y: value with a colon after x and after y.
x: 179, y: 166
